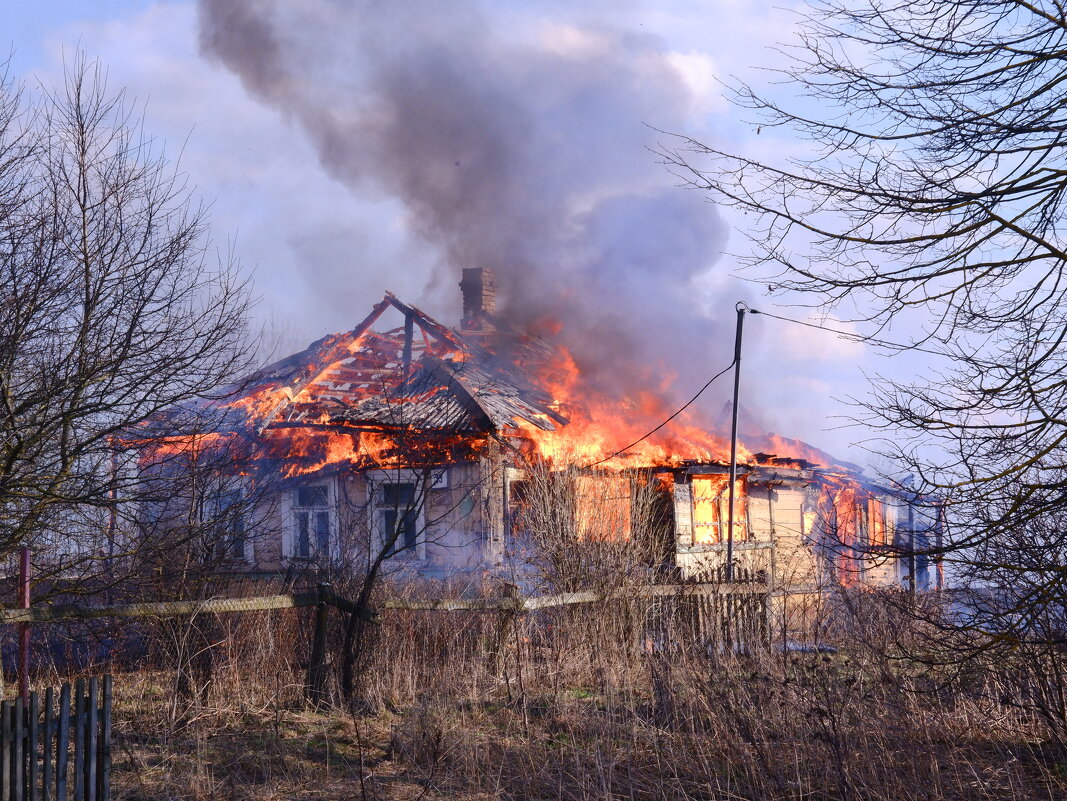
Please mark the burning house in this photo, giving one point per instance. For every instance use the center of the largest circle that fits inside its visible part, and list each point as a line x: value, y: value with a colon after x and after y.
x: 413, y: 442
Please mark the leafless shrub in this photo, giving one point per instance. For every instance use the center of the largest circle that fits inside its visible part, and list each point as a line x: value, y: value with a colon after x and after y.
x: 582, y: 529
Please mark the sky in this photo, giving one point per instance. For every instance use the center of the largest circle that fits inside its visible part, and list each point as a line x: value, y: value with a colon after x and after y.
x: 343, y: 152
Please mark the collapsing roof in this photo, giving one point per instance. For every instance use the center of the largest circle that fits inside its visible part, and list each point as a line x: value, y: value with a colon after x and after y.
x: 421, y: 376
x: 420, y: 391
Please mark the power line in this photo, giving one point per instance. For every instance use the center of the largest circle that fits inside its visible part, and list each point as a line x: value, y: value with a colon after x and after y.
x: 661, y: 425
x: 849, y: 335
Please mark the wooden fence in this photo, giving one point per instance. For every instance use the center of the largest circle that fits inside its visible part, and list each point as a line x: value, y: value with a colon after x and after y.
x: 57, y: 752
x: 324, y: 595
x: 730, y: 613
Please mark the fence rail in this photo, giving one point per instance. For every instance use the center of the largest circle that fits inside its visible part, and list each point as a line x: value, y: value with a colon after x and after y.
x: 533, y: 603
x: 46, y: 614
x: 51, y: 752
x: 324, y: 595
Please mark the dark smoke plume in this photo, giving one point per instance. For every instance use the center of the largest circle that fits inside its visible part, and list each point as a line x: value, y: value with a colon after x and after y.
x: 525, y: 151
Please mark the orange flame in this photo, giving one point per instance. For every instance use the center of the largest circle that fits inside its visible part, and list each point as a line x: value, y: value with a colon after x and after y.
x: 615, y: 433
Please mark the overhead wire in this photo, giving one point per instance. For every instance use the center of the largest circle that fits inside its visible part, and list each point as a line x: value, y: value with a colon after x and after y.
x: 688, y: 403
x: 850, y: 335
x: 847, y: 334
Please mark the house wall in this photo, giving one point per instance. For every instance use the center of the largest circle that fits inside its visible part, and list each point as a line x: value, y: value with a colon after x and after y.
x: 771, y: 547
x: 787, y: 540
x: 459, y: 524
x: 457, y: 534
x: 465, y: 515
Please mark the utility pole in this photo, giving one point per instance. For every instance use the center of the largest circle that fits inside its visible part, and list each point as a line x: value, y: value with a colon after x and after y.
x: 741, y: 308
x: 24, y: 630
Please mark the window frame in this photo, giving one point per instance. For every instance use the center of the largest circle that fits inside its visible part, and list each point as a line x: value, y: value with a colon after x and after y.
x: 291, y: 540
x: 403, y: 476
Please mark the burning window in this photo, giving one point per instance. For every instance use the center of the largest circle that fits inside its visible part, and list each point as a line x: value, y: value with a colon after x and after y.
x: 313, y: 521
x: 870, y: 522
x: 400, y: 517
x: 711, y: 509
x: 602, y: 508
x: 877, y: 529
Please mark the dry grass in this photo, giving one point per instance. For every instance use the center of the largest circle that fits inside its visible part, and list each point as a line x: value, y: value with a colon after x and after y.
x: 573, y: 705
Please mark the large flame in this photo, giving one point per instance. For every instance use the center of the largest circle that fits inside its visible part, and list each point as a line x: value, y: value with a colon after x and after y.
x: 303, y: 428
x: 615, y: 432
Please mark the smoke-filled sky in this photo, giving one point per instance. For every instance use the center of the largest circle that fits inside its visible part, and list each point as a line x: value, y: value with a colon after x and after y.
x: 348, y: 148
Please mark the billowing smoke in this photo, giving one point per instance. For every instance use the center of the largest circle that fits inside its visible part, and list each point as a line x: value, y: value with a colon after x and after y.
x: 526, y: 151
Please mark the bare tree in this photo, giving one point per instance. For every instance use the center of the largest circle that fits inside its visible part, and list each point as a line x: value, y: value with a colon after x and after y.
x: 586, y: 529
x: 113, y: 311
x: 932, y: 199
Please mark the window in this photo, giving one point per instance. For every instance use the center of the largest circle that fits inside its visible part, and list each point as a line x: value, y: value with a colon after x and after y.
x: 518, y: 504
x: 711, y: 509
x: 399, y: 513
x: 877, y: 527
x: 870, y: 522
x: 312, y: 521
x: 224, y: 515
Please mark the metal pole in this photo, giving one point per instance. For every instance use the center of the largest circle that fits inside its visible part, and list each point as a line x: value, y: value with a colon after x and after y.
x: 24, y: 630
x: 911, y: 547
x: 733, y: 444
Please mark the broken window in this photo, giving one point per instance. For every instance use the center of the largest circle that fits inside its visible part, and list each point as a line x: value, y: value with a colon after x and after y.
x: 313, y: 521
x: 860, y: 522
x: 711, y: 509
x: 518, y: 506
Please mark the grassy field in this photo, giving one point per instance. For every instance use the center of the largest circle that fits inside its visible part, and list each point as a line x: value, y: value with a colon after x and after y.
x: 573, y: 706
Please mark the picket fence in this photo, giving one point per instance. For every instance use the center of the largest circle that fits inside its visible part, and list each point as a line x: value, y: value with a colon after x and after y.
x: 61, y: 751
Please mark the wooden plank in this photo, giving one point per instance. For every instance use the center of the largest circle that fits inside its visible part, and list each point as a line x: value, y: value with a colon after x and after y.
x: 683, y: 513
x: 91, y: 719
x: 34, y: 774
x: 44, y: 614
x: 46, y: 746
x: 104, y: 792
x: 19, y: 740
x: 78, y: 725
x: 6, y: 712
x: 63, y: 742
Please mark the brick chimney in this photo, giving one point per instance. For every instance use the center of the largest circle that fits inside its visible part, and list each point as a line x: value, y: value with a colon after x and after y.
x: 479, y: 296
